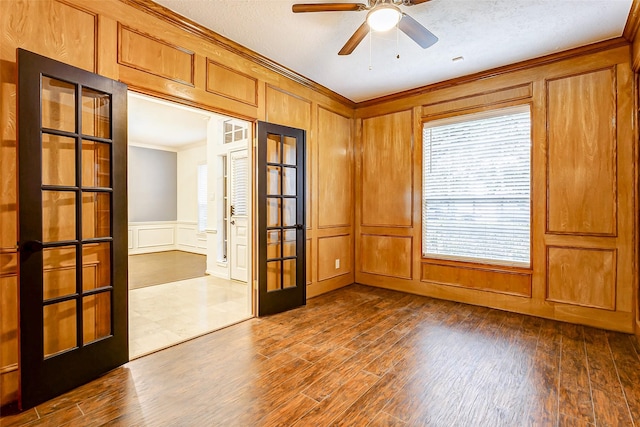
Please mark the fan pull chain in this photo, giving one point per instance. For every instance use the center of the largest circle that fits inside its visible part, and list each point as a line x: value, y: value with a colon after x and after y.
x: 397, y: 42
x: 370, y: 50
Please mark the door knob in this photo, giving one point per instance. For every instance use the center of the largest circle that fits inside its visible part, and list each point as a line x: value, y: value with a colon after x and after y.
x: 233, y: 222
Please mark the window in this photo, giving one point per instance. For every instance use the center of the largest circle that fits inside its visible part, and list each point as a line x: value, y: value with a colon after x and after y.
x: 234, y: 131
x: 202, y: 198
x: 476, y: 187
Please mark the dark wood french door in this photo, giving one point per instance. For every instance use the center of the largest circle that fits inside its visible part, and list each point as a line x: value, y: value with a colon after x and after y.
x: 281, y: 218
x: 72, y: 152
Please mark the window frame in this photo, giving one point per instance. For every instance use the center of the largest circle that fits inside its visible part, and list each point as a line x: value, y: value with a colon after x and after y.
x: 459, y: 116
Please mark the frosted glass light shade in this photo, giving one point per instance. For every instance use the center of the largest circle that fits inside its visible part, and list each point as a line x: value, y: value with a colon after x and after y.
x: 383, y: 18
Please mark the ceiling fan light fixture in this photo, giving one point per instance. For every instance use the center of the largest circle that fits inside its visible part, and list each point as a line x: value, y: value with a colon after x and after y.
x: 384, y: 17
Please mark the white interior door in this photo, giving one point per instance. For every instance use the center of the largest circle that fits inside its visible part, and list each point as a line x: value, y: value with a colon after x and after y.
x: 239, y: 215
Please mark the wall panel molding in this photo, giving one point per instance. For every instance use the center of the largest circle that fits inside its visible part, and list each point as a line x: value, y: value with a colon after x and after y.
x: 386, y: 180
x: 335, y: 170
x: 581, y: 151
x: 584, y: 277
x: 216, y: 39
x: 387, y: 255
x: 233, y: 84
x: 505, y: 282
x: 330, y: 249
x: 484, y: 99
x: 155, y: 56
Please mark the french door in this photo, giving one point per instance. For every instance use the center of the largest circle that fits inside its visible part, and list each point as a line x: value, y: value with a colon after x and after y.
x: 281, y: 216
x: 73, y: 226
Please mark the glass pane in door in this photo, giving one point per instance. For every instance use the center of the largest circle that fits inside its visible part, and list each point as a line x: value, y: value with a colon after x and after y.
x: 289, y: 248
x: 274, y: 275
x: 289, y: 212
x: 289, y: 273
x: 58, y: 160
x: 59, y: 327
x: 289, y: 181
x: 273, y: 212
x: 96, y: 265
x: 59, y: 272
x: 58, y: 107
x: 273, y: 244
x: 96, y: 215
x: 273, y: 180
x: 273, y: 148
x: 96, y: 113
x: 58, y: 215
x: 289, y: 150
x: 96, y: 317
x: 96, y: 164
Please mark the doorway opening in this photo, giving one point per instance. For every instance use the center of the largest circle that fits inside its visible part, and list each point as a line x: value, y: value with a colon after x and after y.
x: 190, y: 249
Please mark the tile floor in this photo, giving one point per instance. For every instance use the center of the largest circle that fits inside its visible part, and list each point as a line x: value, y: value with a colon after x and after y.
x: 163, y: 315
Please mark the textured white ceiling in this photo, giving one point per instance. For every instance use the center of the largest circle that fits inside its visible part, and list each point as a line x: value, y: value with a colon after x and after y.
x: 487, y: 33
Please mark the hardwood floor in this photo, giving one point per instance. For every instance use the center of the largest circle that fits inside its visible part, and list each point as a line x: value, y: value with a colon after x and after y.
x: 164, y: 267
x: 365, y: 356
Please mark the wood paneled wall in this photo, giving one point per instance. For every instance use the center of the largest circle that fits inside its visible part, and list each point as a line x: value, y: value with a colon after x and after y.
x: 159, y: 53
x: 632, y: 34
x: 583, y: 194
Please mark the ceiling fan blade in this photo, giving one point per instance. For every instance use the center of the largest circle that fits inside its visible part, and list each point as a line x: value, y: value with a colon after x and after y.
x: 417, y: 32
x: 355, y: 39
x: 413, y: 2
x: 327, y: 7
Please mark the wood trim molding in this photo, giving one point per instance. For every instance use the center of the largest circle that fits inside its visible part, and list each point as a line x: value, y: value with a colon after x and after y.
x: 96, y: 30
x: 253, y: 103
x: 9, y: 368
x: 198, y: 30
x: 184, y: 101
x: 483, y: 100
x: 633, y: 22
x: 614, y: 214
x: 121, y: 61
x: 614, y: 273
x: 494, y: 72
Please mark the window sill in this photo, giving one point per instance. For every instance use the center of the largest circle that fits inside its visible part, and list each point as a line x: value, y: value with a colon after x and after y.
x: 478, y: 264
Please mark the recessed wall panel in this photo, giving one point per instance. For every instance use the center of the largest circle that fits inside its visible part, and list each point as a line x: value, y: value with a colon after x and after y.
x: 581, y: 276
x: 387, y: 170
x: 386, y: 255
x: 335, y: 182
x: 582, y: 154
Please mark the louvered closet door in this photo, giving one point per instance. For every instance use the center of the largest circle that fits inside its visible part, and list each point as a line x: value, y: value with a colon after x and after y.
x: 239, y: 215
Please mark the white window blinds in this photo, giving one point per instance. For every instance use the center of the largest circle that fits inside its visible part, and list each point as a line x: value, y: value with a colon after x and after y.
x: 202, y: 198
x: 476, y: 187
x: 239, y: 183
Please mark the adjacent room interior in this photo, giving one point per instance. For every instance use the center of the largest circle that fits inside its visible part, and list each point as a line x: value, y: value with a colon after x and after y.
x: 188, y: 252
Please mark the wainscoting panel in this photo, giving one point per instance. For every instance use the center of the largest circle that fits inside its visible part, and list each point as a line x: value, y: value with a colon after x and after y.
x: 146, y: 237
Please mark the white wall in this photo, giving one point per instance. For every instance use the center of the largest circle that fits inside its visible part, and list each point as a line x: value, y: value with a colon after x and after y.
x: 182, y: 233
x: 188, y: 160
x: 187, y: 236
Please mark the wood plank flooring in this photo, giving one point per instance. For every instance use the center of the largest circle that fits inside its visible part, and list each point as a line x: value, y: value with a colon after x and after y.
x: 164, y: 267
x: 365, y: 356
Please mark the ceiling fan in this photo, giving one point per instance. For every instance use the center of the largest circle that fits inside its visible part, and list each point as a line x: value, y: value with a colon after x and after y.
x: 382, y: 16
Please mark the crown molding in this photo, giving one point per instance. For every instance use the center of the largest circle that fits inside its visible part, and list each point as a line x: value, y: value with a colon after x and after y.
x: 198, y: 30
x: 494, y: 72
x: 633, y: 22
